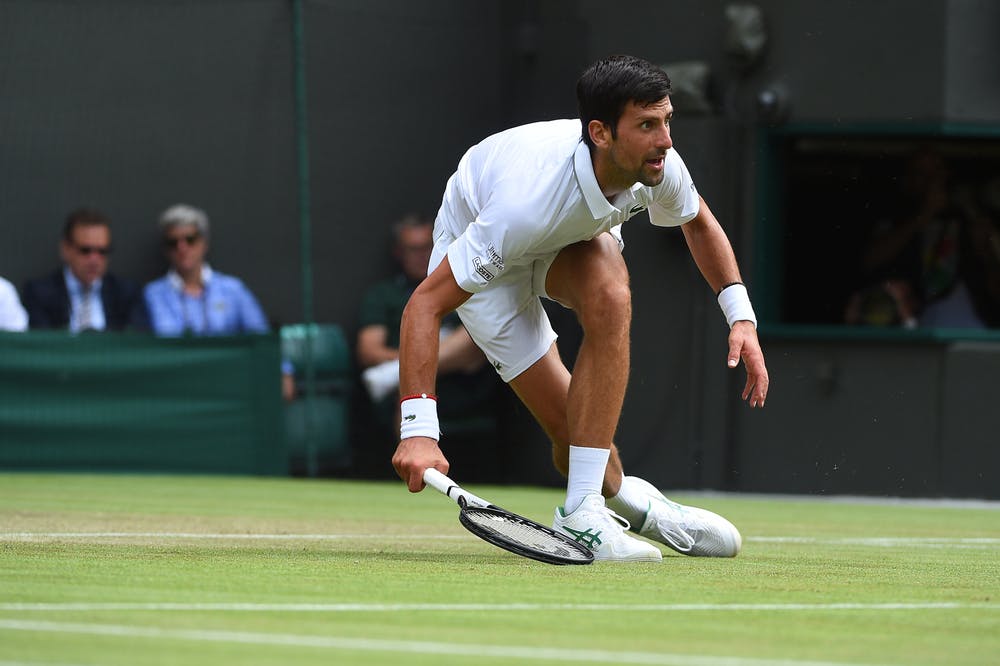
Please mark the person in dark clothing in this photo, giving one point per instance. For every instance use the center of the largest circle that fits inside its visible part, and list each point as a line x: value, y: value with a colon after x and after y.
x: 83, y: 295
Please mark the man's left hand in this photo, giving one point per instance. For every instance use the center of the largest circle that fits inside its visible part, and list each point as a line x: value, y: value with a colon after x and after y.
x: 743, y: 344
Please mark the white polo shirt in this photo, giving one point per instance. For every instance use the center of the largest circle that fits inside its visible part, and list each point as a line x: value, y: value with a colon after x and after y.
x: 12, y: 314
x: 526, y: 193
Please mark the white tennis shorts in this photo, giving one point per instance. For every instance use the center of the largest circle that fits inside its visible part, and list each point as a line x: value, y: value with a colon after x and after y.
x: 507, y: 320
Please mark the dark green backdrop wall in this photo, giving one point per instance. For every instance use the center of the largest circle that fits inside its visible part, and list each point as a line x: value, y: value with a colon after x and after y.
x: 133, y: 106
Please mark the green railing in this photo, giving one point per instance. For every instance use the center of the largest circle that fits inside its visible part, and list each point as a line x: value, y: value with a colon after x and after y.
x: 138, y: 403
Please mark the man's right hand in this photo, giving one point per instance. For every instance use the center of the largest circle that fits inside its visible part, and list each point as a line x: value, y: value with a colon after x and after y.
x: 413, y: 456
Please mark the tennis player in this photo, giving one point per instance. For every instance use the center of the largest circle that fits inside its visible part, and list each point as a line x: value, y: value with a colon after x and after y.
x: 535, y: 211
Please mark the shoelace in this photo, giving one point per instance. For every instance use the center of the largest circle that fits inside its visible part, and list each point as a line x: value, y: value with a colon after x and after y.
x: 621, y: 520
x: 617, y: 519
x: 669, y: 526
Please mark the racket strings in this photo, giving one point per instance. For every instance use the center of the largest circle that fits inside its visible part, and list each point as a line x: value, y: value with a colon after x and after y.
x: 522, y: 533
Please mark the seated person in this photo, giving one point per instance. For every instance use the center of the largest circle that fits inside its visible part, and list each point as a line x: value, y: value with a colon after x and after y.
x: 12, y: 314
x: 464, y: 374
x: 83, y: 295
x: 939, y: 244
x: 888, y: 303
x: 194, y: 299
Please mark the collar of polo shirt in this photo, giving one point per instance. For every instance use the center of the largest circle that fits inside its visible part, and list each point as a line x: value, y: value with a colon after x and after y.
x: 598, y: 204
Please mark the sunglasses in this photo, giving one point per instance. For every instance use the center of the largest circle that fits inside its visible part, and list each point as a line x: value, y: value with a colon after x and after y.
x: 174, y: 241
x: 87, y: 250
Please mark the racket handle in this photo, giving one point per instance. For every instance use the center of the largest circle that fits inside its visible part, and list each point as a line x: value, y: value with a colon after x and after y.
x: 439, y: 481
x: 449, y: 488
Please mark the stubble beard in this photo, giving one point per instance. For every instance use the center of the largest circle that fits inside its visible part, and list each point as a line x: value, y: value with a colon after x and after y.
x: 650, y: 179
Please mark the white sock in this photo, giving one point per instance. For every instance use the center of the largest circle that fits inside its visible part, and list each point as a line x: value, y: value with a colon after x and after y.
x: 631, y: 503
x: 586, y: 474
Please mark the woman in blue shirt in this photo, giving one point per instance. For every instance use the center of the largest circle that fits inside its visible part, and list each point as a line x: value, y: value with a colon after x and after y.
x: 192, y: 298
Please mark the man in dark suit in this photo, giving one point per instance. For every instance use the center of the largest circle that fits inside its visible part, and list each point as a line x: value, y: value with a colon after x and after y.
x: 82, y: 295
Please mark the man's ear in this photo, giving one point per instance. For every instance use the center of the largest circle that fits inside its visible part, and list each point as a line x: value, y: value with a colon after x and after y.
x: 600, y: 133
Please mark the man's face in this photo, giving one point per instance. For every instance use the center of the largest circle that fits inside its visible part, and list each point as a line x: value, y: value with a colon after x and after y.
x: 185, y: 248
x: 637, y: 153
x: 413, y: 250
x: 86, y: 252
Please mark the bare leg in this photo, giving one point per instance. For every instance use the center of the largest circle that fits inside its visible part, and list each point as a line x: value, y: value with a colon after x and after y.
x: 583, y: 409
x: 544, y: 389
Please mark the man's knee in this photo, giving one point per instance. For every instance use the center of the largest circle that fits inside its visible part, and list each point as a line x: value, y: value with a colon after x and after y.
x: 591, y: 278
x: 604, y: 296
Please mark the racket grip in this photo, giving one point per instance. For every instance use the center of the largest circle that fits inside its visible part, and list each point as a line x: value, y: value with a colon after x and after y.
x: 439, y: 481
x: 449, y: 488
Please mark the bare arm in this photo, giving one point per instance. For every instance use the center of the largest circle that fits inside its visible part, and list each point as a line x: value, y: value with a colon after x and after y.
x: 714, y: 257
x: 372, y: 349
x: 435, y: 297
x: 710, y: 249
x: 885, y: 249
x: 459, y: 353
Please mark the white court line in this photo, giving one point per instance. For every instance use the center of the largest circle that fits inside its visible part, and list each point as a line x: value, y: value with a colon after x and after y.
x: 34, y: 663
x: 534, y: 653
x: 886, y: 542
x: 879, y: 542
x: 486, y: 608
x: 28, y: 536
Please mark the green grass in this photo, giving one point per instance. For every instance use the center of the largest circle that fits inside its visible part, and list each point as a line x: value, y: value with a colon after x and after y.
x: 125, y: 570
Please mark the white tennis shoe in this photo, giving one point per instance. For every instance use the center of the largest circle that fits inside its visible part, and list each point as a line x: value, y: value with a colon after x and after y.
x: 686, y: 529
x: 604, y: 532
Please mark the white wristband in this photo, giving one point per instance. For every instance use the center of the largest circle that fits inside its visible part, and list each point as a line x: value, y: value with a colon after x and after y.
x: 735, y: 303
x: 419, y: 418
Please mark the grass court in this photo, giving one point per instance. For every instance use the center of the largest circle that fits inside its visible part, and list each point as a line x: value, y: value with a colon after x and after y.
x: 147, y: 569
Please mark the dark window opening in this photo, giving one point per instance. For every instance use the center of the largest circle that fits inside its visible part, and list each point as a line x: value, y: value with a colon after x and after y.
x: 893, y: 231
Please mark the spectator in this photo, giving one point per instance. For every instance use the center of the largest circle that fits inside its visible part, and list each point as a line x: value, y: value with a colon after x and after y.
x: 943, y: 247
x: 194, y: 299
x: 12, y: 314
x: 888, y: 303
x: 83, y: 295
x: 378, y: 338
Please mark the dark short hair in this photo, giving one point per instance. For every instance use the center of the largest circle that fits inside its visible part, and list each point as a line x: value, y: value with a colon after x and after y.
x: 608, y: 85
x: 84, y: 217
x: 410, y: 221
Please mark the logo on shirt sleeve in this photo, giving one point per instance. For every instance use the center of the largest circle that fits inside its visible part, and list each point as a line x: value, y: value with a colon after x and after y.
x: 490, y: 270
x: 483, y: 271
x: 495, y: 257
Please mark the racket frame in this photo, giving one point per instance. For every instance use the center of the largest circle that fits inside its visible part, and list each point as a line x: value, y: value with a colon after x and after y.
x: 469, y: 503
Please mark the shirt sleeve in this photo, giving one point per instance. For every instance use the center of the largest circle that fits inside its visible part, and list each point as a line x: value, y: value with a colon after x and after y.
x: 675, y: 199
x: 13, y: 316
x: 163, y: 318
x: 502, y: 235
x: 252, y: 318
x: 379, y: 306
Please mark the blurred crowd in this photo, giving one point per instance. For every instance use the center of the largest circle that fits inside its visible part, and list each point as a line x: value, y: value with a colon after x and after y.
x: 936, y: 262
x: 82, y: 295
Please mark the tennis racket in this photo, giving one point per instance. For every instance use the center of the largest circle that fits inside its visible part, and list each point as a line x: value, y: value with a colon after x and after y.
x: 508, y: 530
